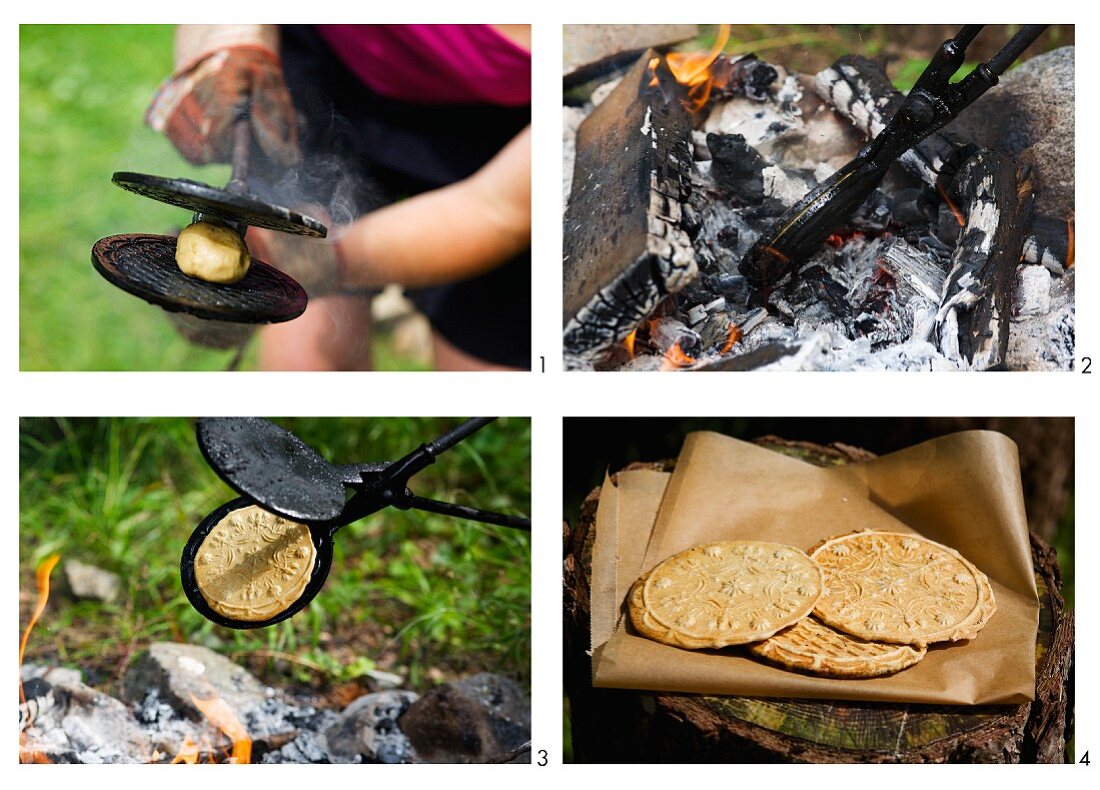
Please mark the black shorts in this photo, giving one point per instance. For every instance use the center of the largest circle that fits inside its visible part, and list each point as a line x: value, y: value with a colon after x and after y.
x: 362, y: 150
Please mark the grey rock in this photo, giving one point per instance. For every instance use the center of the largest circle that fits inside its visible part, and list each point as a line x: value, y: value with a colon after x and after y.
x: 53, y: 675
x: 367, y: 730
x: 473, y: 720
x: 1029, y: 116
x: 176, y: 671
x: 91, y: 583
x: 588, y: 45
x: 88, y: 726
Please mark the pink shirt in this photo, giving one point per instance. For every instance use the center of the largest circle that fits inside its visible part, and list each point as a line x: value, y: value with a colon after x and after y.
x: 435, y: 64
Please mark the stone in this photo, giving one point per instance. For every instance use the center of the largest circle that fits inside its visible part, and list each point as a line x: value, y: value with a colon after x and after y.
x: 91, y: 583
x: 366, y: 731
x: 176, y: 671
x: 1030, y: 117
x: 585, y: 47
x: 86, y: 726
x: 473, y: 720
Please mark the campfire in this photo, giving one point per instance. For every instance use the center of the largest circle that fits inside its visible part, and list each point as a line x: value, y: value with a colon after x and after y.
x: 187, y: 704
x: 683, y: 166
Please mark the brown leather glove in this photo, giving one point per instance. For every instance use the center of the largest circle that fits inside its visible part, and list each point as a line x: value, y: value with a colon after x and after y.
x: 196, y: 107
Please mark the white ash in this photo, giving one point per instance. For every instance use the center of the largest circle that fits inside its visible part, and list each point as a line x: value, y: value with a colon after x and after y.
x: 1032, y: 295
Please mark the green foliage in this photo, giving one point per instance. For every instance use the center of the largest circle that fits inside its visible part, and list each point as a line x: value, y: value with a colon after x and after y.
x: 408, y: 591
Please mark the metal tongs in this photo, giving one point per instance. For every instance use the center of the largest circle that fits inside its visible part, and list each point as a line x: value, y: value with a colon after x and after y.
x: 933, y: 102
x: 274, y: 469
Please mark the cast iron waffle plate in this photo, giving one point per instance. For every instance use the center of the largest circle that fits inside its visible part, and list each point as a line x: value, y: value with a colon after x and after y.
x: 215, y: 202
x: 145, y: 266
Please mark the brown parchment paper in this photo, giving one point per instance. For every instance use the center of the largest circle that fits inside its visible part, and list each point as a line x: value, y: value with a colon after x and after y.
x: 961, y: 490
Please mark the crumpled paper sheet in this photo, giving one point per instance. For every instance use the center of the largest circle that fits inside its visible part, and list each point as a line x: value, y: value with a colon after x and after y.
x: 961, y: 490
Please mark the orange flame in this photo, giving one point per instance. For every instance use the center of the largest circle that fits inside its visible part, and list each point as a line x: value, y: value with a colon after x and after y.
x: 42, y: 580
x: 653, y: 81
x: 676, y: 358
x: 693, y: 68
x: 959, y: 218
x: 628, y: 343
x: 189, y: 752
x: 219, y: 713
x: 734, y: 336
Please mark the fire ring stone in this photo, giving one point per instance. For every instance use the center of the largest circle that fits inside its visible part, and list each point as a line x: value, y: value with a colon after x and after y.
x: 254, y: 564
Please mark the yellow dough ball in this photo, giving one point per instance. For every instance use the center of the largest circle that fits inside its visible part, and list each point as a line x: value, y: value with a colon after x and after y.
x: 212, y: 252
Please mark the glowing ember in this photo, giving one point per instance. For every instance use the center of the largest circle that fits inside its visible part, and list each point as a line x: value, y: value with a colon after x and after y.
x: 734, y: 337
x: 1069, y: 243
x: 693, y: 68
x: 219, y: 713
x: 676, y: 358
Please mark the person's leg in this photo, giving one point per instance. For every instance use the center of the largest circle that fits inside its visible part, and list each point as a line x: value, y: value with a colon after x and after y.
x: 334, y: 333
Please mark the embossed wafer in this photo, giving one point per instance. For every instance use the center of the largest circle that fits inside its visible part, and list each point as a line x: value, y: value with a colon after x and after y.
x: 811, y: 646
x: 899, y: 588
x: 254, y: 564
x: 727, y: 593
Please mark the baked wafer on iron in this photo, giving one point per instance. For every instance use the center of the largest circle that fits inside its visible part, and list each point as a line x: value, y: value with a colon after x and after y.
x: 901, y: 588
x: 811, y: 646
x: 727, y: 593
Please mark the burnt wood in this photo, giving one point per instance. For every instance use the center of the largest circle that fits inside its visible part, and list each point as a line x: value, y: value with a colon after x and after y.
x: 973, y: 319
x: 615, y: 725
x: 625, y: 243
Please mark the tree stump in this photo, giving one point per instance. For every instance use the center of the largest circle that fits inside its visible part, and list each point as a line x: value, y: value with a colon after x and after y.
x: 615, y: 725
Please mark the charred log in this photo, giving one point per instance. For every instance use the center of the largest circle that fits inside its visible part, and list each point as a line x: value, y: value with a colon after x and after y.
x: 737, y: 168
x: 626, y: 243
x: 975, y: 309
x: 860, y: 91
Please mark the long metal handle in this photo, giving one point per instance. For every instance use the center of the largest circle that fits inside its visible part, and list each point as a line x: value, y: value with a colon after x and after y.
x: 242, y: 143
x: 462, y: 511
x: 390, y: 487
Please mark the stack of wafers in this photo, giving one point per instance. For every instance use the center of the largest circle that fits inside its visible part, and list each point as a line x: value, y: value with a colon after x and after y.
x: 859, y: 605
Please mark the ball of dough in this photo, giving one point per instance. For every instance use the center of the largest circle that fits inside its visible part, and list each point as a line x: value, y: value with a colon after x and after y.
x: 212, y: 252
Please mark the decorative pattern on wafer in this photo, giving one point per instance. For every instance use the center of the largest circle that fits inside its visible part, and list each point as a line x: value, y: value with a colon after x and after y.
x: 811, y: 646
x: 901, y: 588
x: 726, y: 593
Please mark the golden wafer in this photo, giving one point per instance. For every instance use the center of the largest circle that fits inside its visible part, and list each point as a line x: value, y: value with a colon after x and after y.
x: 811, y: 646
x: 901, y: 588
x: 727, y: 593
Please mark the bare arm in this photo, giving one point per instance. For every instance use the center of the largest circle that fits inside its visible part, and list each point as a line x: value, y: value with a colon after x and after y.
x: 447, y: 234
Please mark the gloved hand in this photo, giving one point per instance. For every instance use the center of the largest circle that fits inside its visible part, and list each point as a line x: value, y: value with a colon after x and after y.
x: 196, y: 107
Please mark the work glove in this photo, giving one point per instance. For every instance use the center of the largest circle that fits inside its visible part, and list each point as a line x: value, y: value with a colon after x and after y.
x: 196, y: 106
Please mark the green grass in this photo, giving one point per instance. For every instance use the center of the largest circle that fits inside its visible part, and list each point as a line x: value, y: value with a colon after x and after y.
x: 83, y: 91
x: 418, y: 594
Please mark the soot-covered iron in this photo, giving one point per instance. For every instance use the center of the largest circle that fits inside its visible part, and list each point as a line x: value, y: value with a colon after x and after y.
x: 145, y: 265
x: 261, y: 558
